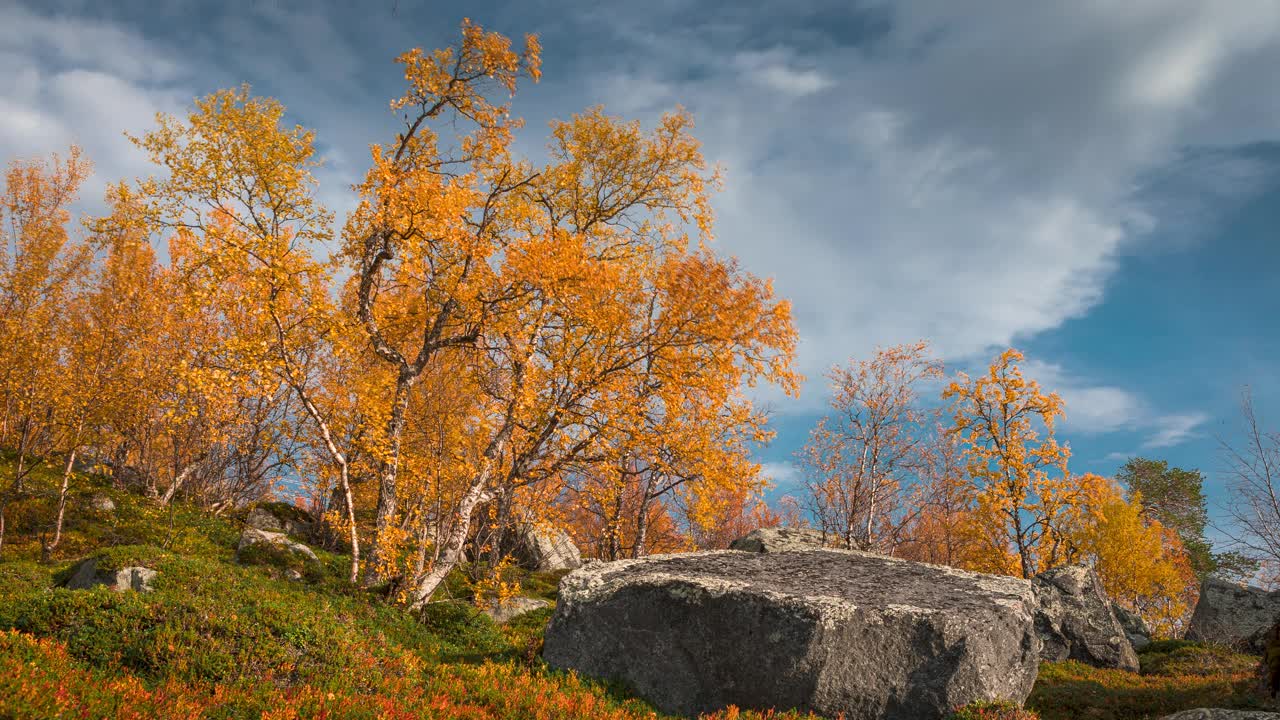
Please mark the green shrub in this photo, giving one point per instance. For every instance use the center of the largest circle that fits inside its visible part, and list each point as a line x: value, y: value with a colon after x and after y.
x: 465, y: 632
x: 1070, y: 690
x: 1180, y: 657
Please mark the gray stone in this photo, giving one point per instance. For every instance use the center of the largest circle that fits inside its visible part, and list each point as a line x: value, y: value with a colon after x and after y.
x: 253, y: 536
x: 827, y: 631
x: 1233, y: 615
x: 262, y: 518
x: 1135, y: 628
x: 544, y: 549
x: 1075, y: 620
x: 780, y: 539
x: 514, y: 608
x: 89, y: 574
x: 1222, y: 714
x: 102, y: 503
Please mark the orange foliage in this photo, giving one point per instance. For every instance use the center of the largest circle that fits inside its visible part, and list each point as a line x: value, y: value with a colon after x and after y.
x: 1020, y: 480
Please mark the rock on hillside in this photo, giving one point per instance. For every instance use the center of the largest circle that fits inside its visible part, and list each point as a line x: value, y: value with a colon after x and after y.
x: 1233, y: 614
x: 1076, y: 622
x: 514, y: 608
x: 272, y: 548
x: 280, y: 518
x: 544, y: 549
x: 1134, y: 626
x: 89, y: 574
x: 825, y: 630
x: 780, y: 539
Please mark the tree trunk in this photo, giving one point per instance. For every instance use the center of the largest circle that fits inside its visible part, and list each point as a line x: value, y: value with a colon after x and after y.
x: 20, y: 471
x: 62, y: 505
x: 615, y: 529
x: 345, y: 480
x: 178, y: 482
x: 452, y: 550
x: 642, y: 528
x: 388, y: 475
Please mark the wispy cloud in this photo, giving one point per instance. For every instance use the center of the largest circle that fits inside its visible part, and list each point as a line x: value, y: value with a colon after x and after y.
x: 776, y: 70
x: 785, y: 476
x: 917, y: 183
x: 1097, y: 409
x: 1175, y: 429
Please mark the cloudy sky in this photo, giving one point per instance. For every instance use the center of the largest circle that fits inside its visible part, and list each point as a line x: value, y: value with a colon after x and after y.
x: 1095, y: 183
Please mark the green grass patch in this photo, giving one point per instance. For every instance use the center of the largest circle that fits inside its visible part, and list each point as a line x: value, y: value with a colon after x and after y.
x: 1176, y: 675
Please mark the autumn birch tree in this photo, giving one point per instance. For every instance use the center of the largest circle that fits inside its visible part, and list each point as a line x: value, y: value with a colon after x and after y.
x: 239, y: 199
x: 859, y: 457
x: 39, y: 269
x: 1020, y: 477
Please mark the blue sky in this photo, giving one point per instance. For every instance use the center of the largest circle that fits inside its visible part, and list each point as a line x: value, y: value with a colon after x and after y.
x: 1095, y: 183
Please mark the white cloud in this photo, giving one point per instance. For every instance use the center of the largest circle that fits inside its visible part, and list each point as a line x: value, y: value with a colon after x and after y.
x: 1094, y: 409
x: 69, y: 42
x: 776, y: 70
x: 1175, y: 429
x: 975, y: 175
x: 72, y: 81
x: 784, y: 475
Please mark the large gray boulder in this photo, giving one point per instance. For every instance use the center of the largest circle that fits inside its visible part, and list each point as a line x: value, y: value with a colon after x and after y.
x: 90, y: 573
x: 828, y: 631
x: 780, y: 539
x: 537, y: 547
x: 1076, y: 622
x: 1222, y: 714
x: 1135, y: 628
x: 1233, y: 615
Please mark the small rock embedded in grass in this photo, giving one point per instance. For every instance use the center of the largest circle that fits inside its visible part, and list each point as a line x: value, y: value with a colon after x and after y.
x: 89, y: 574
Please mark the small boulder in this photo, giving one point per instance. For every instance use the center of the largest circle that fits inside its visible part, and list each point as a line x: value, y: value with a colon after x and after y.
x: 1135, y: 628
x: 89, y: 573
x: 543, y: 549
x: 514, y: 608
x: 280, y: 518
x: 1233, y: 615
x: 255, y: 539
x: 1076, y: 622
x: 102, y: 503
x: 828, y: 631
x: 780, y: 539
x: 1222, y: 714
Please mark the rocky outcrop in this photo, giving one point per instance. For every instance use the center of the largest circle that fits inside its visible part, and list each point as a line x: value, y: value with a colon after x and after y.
x: 1075, y: 620
x: 780, y: 539
x: 1233, y: 614
x: 1222, y: 714
x: 273, y: 542
x: 514, y: 608
x: 1135, y: 628
x: 536, y: 547
x: 280, y: 518
x: 90, y: 573
x: 828, y: 631
x: 1269, y: 668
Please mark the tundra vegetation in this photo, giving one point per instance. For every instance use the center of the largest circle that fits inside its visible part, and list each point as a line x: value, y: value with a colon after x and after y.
x: 483, y: 344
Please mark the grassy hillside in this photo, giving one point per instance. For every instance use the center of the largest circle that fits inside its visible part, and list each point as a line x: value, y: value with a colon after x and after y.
x: 219, y: 639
